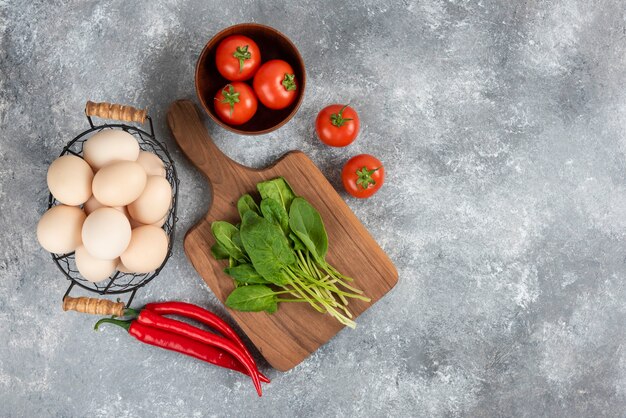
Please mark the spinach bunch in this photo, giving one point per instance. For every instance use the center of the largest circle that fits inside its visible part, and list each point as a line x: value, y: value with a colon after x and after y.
x: 278, y: 254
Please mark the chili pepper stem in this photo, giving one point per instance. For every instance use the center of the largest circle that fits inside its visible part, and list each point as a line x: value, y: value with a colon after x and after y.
x: 131, y: 312
x: 118, y: 322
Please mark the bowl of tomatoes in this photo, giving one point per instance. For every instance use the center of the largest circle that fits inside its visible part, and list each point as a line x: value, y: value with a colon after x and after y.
x: 250, y: 79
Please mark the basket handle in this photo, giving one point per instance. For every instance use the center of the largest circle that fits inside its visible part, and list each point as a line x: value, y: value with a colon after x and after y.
x: 93, y: 306
x: 115, y: 111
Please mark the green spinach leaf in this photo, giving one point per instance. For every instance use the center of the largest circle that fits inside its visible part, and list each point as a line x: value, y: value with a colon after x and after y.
x: 275, y: 213
x: 245, y: 273
x: 236, y: 237
x: 253, y: 298
x: 227, y: 235
x: 246, y: 203
x: 219, y: 252
x: 298, y: 245
x: 232, y: 262
x: 267, y: 248
x: 306, y: 222
x: 277, y: 189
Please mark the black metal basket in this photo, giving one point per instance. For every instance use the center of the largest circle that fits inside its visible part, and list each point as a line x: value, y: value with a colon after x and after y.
x: 120, y: 282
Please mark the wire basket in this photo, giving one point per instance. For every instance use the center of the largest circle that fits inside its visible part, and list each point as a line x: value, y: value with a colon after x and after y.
x: 120, y: 282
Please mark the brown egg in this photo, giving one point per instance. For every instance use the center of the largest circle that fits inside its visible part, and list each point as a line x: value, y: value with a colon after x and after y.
x: 110, y: 145
x: 160, y: 222
x: 69, y: 180
x: 59, y: 229
x: 92, y: 268
x: 147, y: 249
x: 135, y: 224
x: 151, y: 163
x: 153, y: 203
x: 91, y: 205
x: 122, y: 209
x: 119, y: 183
x: 122, y: 268
x: 106, y: 233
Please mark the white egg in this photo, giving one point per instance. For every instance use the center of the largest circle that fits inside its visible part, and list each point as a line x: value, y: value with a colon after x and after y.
x: 110, y: 145
x: 147, y: 249
x: 106, y: 233
x: 92, y: 268
x: 119, y: 183
x: 59, y: 229
x: 151, y: 163
x: 153, y: 203
x: 69, y: 180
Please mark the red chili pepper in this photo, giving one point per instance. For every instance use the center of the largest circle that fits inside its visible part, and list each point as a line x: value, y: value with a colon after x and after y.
x: 181, y: 344
x: 155, y: 320
x: 206, y: 317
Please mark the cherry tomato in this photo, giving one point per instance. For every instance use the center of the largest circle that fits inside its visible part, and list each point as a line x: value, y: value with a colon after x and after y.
x: 237, y: 58
x: 363, y: 175
x: 236, y: 103
x: 337, y: 125
x: 275, y: 84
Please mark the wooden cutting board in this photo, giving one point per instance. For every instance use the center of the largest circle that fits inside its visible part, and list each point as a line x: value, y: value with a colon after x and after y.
x: 296, y: 330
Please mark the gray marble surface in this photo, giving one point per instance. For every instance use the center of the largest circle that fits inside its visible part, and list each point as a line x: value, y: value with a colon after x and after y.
x: 502, y: 129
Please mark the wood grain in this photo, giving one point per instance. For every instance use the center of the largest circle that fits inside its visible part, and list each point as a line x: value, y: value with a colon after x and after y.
x: 296, y: 330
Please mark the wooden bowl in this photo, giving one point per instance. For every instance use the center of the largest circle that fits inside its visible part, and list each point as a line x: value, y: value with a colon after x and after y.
x: 273, y: 45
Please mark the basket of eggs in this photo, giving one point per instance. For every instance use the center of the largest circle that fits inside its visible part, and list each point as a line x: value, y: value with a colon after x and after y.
x: 112, y: 204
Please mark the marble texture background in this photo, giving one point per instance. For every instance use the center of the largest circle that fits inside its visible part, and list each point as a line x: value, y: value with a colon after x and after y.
x: 501, y: 126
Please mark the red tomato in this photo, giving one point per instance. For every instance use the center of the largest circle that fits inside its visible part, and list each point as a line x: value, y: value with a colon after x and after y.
x: 363, y: 175
x: 236, y: 103
x: 237, y: 58
x: 337, y: 125
x: 275, y: 84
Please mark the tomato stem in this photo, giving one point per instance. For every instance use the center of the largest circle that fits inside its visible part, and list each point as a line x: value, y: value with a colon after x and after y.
x: 365, y: 177
x: 242, y: 54
x: 231, y: 97
x: 337, y: 119
x: 289, y: 82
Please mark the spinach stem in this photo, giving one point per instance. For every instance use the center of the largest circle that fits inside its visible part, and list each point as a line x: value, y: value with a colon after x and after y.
x: 344, y: 284
x: 302, y: 290
x: 342, y: 298
x: 291, y: 300
x: 338, y: 292
x: 304, y: 264
x: 346, y: 310
x: 346, y: 321
x: 307, y: 289
x: 305, y: 297
x: 282, y: 292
